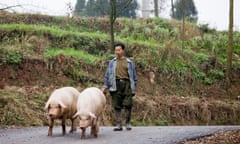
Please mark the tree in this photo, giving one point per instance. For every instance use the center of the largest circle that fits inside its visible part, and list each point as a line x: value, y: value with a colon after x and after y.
x: 130, y: 11
x: 156, y: 8
x: 172, y: 9
x: 95, y: 8
x: 230, y: 45
x: 80, y: 8
x: 103, y: 7
x: 116, y: 12
x: 113, y: 9
x: 184, y: 8
x: 91, y: 9
x: 70, y: 10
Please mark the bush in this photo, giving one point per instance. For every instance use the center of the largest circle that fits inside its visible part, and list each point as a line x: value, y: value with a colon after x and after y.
x: 10, y: 56
x: 161, y: 122
x: 217, y: 74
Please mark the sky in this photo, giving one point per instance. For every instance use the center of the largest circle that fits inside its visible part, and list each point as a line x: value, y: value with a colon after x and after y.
x: 212, y: 12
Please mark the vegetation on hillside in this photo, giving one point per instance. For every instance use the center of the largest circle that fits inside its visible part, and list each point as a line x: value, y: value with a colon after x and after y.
x: 58, y: 51
x: 199, y: 58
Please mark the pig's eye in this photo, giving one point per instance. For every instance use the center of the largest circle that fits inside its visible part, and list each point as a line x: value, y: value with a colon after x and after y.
x: 59, y: 106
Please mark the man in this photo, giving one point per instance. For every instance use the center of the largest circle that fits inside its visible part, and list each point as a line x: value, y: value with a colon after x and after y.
x: 121, y: 81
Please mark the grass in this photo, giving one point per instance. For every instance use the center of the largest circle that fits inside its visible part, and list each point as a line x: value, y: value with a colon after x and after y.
x: 153, y: 42
x: 155, y: 45
x: 175, y: 59
x: 54, y: 30
x: 79, y: 54
x: 17, y: 109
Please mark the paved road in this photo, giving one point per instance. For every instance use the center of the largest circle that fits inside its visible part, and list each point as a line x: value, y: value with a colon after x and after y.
x: 138, y: 135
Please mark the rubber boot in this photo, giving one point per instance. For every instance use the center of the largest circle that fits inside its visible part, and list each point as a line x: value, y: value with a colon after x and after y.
x: 118, y: 120
x: 128, y: 119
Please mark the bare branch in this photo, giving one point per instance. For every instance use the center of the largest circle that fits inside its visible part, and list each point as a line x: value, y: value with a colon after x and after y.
x: 98, y: 6
x: 9, y: 7
x: 123, y: 8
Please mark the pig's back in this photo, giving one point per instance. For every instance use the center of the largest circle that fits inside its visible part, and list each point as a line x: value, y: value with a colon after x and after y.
x: 67, y: 95
x: 91, y: 99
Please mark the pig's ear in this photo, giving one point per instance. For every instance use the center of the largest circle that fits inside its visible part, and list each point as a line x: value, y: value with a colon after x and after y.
x: 76, y: 115
x: 62, y: 105
x: 46, y: 106
x: 92, y: 115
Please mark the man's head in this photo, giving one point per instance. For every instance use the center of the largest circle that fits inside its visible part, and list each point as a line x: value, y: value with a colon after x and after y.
x: 119, y: 49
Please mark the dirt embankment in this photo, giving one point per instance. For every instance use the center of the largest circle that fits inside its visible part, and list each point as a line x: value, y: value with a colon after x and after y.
x: 26, y: 87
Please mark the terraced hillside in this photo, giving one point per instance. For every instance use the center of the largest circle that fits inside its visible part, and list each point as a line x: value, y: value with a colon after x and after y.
x: 39, y: 53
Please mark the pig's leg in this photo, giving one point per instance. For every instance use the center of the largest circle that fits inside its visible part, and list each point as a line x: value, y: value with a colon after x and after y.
x: 73, y: 126
x: 63, y: 125
x: 95, y: 131
x: 97, y: 128
x: 50, y: 129
x: 94, y: 128
x: 83, y: 136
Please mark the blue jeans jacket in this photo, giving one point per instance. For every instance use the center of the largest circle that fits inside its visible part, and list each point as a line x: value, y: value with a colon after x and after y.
x: 110, y: 75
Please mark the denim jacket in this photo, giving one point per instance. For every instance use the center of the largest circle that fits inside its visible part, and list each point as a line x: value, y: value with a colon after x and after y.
x: 110, y: 75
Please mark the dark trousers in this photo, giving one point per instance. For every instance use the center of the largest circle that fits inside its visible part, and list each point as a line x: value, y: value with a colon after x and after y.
x: 122, y: 98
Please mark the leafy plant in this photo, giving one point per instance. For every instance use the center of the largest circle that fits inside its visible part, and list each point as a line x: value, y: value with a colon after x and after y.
x: 10, y: 56
x: 217, y: 74
x: 161, y: 122
x: 208, y: 81
x: 79, y: 54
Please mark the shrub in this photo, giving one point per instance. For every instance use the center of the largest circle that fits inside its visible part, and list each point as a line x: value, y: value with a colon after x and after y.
x: 217, y: 74
x: 10, y: 56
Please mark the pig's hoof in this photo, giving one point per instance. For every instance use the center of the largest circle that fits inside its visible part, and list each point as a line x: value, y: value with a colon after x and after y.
x: 71, y: 131
x: 49, y: 134
x: 95, y: 135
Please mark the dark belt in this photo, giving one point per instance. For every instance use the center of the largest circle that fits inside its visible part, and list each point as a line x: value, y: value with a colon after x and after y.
x: 122, y: 79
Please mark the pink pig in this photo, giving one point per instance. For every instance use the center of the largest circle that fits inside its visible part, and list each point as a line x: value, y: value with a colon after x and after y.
x: 90, y: 105
x: 62, y: 104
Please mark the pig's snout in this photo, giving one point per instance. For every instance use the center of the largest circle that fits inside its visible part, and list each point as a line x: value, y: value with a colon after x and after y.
x: 83, y: 123
x: 52, y: 115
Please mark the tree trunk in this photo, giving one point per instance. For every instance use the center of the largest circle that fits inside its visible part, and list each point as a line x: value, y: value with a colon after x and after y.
x: 183, y: 22
x: 112, y: 35
x: 156, y: 8
x: 112, y: 21
x: 172, y: 8
x: 230, y: 47
x: 113, y: 17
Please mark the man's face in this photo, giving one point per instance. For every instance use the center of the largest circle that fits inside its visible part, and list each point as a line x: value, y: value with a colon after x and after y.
x: 119, y: 52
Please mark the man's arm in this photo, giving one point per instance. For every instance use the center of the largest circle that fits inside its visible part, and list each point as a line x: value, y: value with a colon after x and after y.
x: 106, y: 85
x: 134, y: 74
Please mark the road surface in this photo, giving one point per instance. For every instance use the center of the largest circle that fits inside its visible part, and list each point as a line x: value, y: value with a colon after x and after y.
x: 138, y: 135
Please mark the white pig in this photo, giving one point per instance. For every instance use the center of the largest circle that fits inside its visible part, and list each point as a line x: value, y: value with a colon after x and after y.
x: 62, y: 104
x: 90, y: 105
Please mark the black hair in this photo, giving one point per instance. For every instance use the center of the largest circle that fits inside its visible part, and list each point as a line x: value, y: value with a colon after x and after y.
x: 119, y: 44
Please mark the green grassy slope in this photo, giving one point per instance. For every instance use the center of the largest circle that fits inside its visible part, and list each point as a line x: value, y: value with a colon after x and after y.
x: 58, y: 51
